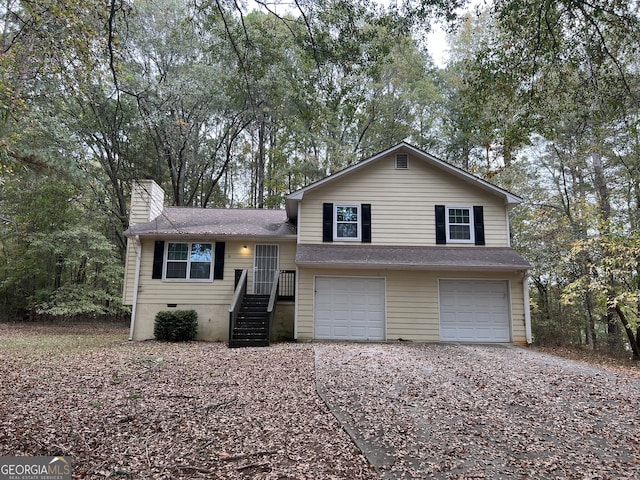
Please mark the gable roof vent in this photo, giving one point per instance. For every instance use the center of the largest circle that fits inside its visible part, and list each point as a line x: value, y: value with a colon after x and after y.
x: 402, y: 161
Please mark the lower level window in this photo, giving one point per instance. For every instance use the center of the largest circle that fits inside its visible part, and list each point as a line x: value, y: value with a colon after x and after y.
x: 188, y: 261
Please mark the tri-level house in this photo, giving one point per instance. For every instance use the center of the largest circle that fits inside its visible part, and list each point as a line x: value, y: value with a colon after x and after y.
x: 401, y: 245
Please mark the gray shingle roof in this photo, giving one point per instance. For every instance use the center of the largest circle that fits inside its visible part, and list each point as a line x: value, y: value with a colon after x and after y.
x: 207, y: 222
x: 409, y: 257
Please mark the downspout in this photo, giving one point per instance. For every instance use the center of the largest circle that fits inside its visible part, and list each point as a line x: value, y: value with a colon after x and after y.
x: 136, y: 284
x: 296, y: 303
x: 508, y: 227
x: 527, y: 308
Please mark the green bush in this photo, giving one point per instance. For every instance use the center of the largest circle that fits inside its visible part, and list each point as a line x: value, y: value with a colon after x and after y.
x: 176, y: 325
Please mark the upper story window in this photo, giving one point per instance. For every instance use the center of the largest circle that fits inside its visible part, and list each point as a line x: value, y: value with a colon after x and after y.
x: 190, y: 261
x: 460, y: 225
x: 347, y: 223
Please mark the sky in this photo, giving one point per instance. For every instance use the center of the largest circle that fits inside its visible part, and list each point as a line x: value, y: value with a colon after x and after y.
x: 437, y: 45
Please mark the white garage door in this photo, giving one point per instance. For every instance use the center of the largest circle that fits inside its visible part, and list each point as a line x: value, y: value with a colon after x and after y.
x: 349, y: 308
x: 474, y: 311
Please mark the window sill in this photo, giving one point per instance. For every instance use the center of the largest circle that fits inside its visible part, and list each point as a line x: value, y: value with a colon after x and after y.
x: 187, y: 280
x: 463, y: 242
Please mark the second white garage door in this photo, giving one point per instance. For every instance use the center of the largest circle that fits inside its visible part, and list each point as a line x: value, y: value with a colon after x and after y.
x: 349, y: 308
x: 474, y: 311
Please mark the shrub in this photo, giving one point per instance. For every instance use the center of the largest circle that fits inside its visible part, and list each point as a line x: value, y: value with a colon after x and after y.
x: 176, y: 325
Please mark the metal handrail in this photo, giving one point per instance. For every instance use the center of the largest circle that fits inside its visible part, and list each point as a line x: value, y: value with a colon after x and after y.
x: 236, y: 302
x: 273, y: 300
x: 287, y: 285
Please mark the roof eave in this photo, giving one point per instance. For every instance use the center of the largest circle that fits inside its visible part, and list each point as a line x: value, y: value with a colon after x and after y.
x: 291, y: 202
x: 195, y: 236
x: 291, y: 206
x: 510, y: 199
x: 396, y: 266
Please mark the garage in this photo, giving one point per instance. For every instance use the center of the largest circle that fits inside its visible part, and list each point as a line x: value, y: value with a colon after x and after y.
x: 474, y: 311
x: 349, y: 308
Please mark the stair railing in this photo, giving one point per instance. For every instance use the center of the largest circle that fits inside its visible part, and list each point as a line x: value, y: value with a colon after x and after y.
x: 236, y: 302
x: 273, y: 300
x: 287, y: 288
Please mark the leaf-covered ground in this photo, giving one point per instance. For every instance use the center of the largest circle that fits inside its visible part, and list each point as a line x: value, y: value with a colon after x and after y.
x: 624, y: 366
x: 201, y: 410
x: 461, y: 411
x: 157, y: 410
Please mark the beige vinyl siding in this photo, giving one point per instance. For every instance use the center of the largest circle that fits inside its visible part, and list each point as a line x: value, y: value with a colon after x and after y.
x: 412, y: 311
x: 402, y: 203
x: 287, y: 256
x: 147, y: 201
x: 518, y: 331
x: 129, y: 272
x: 208, y: 292
x: 210, y: 298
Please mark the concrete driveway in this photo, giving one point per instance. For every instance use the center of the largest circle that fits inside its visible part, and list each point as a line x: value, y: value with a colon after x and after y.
x: 465, y: 411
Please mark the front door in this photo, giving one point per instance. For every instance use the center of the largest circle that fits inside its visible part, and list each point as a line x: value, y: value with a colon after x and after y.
x: 265, y: 267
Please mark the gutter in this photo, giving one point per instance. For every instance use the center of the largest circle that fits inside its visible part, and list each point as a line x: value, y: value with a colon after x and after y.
x: 409, y: 266
x: 527, y: 308
x: 156, y: 235
x: 136, y: 284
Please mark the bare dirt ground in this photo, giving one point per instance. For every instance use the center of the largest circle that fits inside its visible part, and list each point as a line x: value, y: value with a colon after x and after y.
x: 201, y: 410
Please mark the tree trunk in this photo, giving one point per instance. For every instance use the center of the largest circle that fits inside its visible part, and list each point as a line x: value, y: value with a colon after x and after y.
x: 602, y: 190
x: 633, y: 339
x: 57, y: 278
x: 613, y: 332
x: 604, y: 204
x: 590, y: 327
x: 261, y: 165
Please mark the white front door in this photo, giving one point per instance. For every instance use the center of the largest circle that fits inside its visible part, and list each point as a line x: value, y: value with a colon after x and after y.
x: 265, y: 266
x: 349, y: 308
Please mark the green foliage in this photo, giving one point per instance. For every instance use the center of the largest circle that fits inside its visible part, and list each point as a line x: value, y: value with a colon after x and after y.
x: 53, y: 260
x: 88, y: 278
x: 555, y: 331
x: 227, y: 108
x: 611, y: 271
x: 176, y: 325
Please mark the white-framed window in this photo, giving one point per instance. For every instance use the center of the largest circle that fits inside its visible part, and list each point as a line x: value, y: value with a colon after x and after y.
x: 347, y: 223
x: 188, y: 261
x: 459, y: 225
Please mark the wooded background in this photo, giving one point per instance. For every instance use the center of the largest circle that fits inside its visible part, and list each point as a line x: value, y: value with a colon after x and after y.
x: 228, y: 104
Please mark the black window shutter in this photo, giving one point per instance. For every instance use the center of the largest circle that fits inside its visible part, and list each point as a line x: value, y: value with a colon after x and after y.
x: 218, y: 262
x: 158, y: 257
x: 441, y: 226
x: 327, y: 222
x: 366, y: 223
x: 478, y: 224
